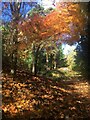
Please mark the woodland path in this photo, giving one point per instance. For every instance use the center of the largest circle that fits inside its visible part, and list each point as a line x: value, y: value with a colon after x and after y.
x: 45, y: 98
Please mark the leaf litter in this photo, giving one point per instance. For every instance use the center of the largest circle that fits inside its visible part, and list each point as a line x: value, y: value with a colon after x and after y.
x: 40, y: 97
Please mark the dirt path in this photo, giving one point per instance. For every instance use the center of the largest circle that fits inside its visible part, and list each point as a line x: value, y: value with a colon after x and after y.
x: 40, y: 97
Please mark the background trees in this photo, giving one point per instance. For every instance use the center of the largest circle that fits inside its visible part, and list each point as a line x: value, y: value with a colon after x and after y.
x: 82, y: 49
x: 36, y: 36
x: 82, y: 57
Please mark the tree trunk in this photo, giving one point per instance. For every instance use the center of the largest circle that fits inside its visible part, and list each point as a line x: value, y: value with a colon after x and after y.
x: 35, y: 59
x: 51, y: 62
x: 47, y: 61
x: 54, y: 64
x: 15, y: 11
x: 36, y: 70
x: 32, y: 68
x: 15, y: 65
x: 15, y: 53
x: 33, y: 62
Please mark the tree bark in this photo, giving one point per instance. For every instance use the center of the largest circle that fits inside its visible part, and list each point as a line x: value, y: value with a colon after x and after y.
x: 15, y: 10
x: 35, y: 59
x: 47, y: 61
x: 15, y: 53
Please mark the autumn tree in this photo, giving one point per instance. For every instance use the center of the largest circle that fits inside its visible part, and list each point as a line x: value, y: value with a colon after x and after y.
x: 34, y: 30
x: 15, y: 12
x: 33, y: 36
x: 67, y: 22
x: 64, y: 24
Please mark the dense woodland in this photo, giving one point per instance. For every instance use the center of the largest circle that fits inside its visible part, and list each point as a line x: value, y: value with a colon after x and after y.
x: 39, y: 81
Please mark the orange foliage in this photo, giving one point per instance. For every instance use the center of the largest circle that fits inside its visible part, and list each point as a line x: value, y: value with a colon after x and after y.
x: 33, y: 28
x: 66, y: 19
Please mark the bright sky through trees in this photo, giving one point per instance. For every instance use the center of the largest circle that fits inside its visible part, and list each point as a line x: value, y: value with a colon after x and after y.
x: 68, y: 48
x: 47, y: 3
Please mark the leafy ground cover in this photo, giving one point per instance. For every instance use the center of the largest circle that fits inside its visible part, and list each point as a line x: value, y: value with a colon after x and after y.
x: 35, y: 97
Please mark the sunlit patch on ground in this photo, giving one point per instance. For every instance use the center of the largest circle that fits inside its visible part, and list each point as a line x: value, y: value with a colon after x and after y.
x: 82, y: 88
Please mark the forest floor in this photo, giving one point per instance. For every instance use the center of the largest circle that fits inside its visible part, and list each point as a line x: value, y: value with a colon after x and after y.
x: 38, y: 97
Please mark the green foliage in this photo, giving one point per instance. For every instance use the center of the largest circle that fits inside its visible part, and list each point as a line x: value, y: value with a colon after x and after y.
x: 60, y: 57
x: 36, y: 10
x: 41, y: 61
x: 47, y: 11
x: 70, y: 58
x: 6, y: 48
x: 39, y: 10
x: 28, y: 60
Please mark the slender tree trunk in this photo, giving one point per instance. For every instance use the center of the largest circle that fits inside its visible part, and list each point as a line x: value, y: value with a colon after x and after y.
x: 15, y: 53
x: 32, y: 68
x: 15, y: 65
x: 36, y: 70
x: 35, y: 59
x: 34, y: 64
x: 51, y: 62
x: 47, y: 61
x: 54, y: 64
